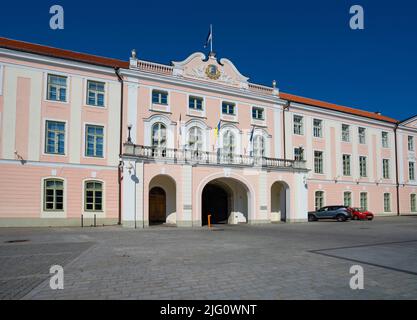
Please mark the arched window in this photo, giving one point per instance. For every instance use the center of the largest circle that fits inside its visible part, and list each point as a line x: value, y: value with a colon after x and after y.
x: 195, y: 139
x: 93, y: 200
x: 53, y: 195
x: 159, y: 139
x: 228, y: 144
x: 258, y: 146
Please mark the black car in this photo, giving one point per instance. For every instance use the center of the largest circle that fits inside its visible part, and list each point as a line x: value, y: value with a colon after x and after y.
x: 339, y: 213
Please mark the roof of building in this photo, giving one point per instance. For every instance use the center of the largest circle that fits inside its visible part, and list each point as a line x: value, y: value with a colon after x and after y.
x: 61, y: 53
x: 115, y: 63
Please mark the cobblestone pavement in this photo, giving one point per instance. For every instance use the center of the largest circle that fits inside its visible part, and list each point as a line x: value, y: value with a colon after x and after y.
x: 281, y: 261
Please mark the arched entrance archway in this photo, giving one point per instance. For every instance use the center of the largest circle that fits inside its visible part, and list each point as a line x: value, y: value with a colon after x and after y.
x: 227, y: 200
x: 280, y: 201
x: 162, y: 200
x: 157, y: 206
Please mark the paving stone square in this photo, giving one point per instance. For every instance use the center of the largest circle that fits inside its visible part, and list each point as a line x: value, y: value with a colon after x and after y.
x: 276, y: 261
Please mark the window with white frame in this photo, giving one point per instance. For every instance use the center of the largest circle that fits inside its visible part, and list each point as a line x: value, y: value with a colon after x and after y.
x: 298, y: 154
x: 55, y: 137
x: 385, y: 169
x: 345, y: 133
x: 195, y: 139
x: 95, y: 93
x: 298, y: 125
x: 259, y: 146
x: 228, y: 144
x: 53, y: 199
x: 228, y: 108
x: 410, y: 143
x: 195, y: 103
x: 346, y: 165
x: 317, y: 128
x: 159, y: 97
x: 411, y: 171
x: 94, y: 141
x: 57, y: 88
x: 319, y: 200
x: 413, y: 202
x: 159, y: 139
x: 362, y: 135
x: 362, y: 166
x: 387, y: 202
x: 257, y: 113
x: 384, y: 138
x: 93, y: 196
x: 318, y: 162
x: 347, y: 198
x: 364, y: 201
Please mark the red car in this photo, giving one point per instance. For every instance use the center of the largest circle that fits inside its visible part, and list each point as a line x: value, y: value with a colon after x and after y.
x: 358, y: 214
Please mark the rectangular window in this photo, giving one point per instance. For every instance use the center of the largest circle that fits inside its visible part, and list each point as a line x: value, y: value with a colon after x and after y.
x: 318, y: 162
x: 346, y: 165
x: 413, y: 202
x: 159, y: 97
x: 319, y: 200
x: 364, y: 201
x: 385, y: 169
x: 410, y: 143
x: 94, y: 141
x: 345, y: 133
x: 195, y: 103
x: 95, y: 93
x: 93, y: 196
x: 298, y: 154
x: 362, y: 135
x: 317, y: 128
x: 298, y: 125
x: 347, y: 199
x: 362, y: 166
x: 257, y: 113
x: 53, y: 195
x: 411, y: 171
x: 55, y: 137
x: 57, y: 88
x: 228, y: 108
x: 387, y: 202
x: 384, y: 137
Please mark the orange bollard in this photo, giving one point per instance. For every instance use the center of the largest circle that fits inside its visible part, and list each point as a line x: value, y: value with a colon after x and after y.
x: 209, y: 222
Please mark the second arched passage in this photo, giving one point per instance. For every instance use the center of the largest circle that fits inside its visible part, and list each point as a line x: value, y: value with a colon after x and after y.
x: 226, y: 200
x: 280, y: 201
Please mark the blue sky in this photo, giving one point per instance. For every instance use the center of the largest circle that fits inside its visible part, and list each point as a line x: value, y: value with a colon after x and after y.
x: 307, y: 46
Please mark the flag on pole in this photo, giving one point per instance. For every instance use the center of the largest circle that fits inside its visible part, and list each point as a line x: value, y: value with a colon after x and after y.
x: 217, y: 129
x: 251, y: 134
x: 209, y: 39
x: 179, y: 132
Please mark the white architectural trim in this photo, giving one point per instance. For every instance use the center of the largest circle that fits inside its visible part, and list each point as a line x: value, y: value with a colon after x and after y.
x: 170, y: 127
x: 43, y: 143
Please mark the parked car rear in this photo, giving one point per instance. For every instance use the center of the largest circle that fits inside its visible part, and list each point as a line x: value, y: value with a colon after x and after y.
x: 339, y: 213
x: 359, y: 214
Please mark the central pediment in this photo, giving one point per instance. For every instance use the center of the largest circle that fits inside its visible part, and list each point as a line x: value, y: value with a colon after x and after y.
x: 198, y: 66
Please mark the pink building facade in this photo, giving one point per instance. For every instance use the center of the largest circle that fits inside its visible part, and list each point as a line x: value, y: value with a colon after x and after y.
x: 140, y: 143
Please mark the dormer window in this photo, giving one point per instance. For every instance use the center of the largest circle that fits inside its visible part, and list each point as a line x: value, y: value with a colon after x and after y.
x: 159, y: 97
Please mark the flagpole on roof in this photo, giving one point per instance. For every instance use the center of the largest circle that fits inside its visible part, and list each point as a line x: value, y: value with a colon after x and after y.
x: 211, y: 41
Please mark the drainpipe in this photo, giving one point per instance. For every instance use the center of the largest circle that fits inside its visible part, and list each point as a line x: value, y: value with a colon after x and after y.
x: 396, y: 171
x: 119, y: 171
x: 286, y: 107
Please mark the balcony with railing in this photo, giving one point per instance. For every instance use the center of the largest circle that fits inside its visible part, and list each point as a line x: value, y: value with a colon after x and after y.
x: 197, y: 157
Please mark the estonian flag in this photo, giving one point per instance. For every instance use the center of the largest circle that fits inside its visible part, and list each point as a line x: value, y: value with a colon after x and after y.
x: 209, y: 37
